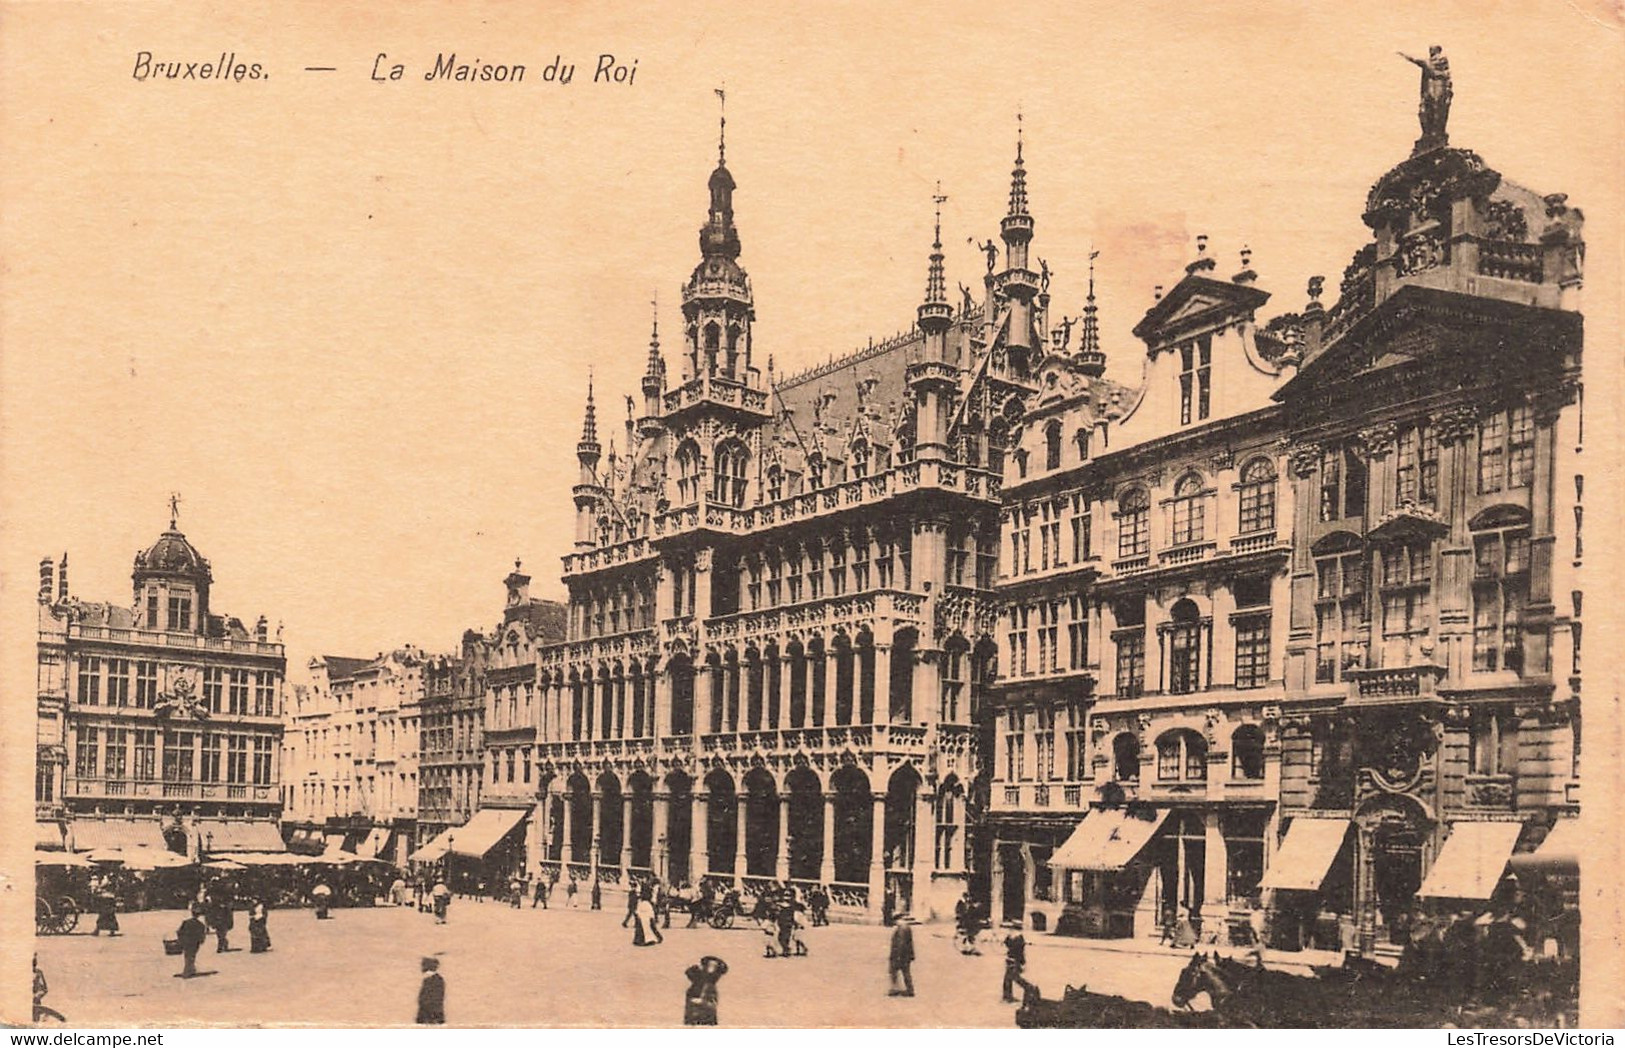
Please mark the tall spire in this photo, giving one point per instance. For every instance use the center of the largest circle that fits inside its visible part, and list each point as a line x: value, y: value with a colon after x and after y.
x: 1018, y: 176
x: 1091, y: 360
x: 657, y: 366
x: 589, y: 426
x: 722, y: 126
x: 936, y: 289
x: 718, y: 238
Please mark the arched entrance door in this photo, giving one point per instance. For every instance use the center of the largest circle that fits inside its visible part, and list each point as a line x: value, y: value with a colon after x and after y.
x: 806, y: 831
x: 679, y: 829
x: 722, y: 822
x: 902, y: 800
x: 761, y: 824
x: 1395, y: 848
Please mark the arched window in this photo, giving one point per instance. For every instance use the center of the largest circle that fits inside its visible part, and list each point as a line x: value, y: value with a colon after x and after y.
x: 1189, y: 511
x: 997, y: 436
x: 775, y: 483
x: 1081, y: 439
x: 1133, y: 523
x: 1247, y: 752
x: 1185, y: 649
x: 860, y: 459
x: 688, y: 472
x: 729, y: 473
x: 1181, y: 757
x: 1257, y: 497
x: 1126, y: 757
x: 1052, y: 444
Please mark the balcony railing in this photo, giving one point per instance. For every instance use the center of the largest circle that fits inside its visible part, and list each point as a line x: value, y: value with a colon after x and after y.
x: 167, y: 639
x: 1188, y: 553
x: 1394, y: 684
x: 1510, y: 261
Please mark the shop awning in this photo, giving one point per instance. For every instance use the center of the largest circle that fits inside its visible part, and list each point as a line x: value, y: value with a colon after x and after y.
x: 434, y: 850
x: 1107, y: 840
x: 255, y: 835
x: 376, y: 840
x: 484, y: 830
x: 333, y: 842
x: 47, y: 836
x: 1470, y: 864
x: 305, y: 842
x: 95, y: 834
x: 1558, y: 853
x: 1306, y: 854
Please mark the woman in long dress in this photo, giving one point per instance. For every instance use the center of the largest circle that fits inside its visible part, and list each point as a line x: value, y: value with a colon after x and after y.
x: 259, y: 934
x: 700, y: 1001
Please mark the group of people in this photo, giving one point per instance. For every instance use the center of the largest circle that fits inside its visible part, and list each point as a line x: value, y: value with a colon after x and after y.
x: 215, y: 911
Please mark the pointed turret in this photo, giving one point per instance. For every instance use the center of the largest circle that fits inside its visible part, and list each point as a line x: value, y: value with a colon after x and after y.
x: 1091, y: 361
x: 588, y: 490
x: 1018, y: 284
x: 931, y: 379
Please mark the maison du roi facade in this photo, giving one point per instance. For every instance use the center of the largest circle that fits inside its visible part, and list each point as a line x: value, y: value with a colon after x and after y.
x: 1289, y: 618
x: 159, y: 721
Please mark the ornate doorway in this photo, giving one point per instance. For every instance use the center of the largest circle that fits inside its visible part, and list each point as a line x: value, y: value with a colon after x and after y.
x: 1395, y: 847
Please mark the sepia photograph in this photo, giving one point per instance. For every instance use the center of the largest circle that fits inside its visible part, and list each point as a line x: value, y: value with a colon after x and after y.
x: 863, y: 516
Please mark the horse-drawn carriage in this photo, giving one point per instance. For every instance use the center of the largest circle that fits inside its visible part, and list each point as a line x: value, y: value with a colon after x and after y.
x: 56, y: 915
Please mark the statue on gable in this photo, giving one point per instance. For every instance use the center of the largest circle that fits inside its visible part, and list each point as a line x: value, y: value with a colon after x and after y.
x: 965, y: 300
x: 1436, y: 91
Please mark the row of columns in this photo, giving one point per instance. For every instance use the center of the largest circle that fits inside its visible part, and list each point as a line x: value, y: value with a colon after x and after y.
x: 921, y: 838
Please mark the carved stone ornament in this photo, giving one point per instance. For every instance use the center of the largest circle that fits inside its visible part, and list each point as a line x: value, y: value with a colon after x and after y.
x: 182, y: 698
x: 1379, y: 438
x: 1417, y: 253
x: 1454, y: 424
x: 1305, y: 459
x: 1224, y: 458
x: 1211, y: 719
x: 1144, y: 721
x: 1504, y: 220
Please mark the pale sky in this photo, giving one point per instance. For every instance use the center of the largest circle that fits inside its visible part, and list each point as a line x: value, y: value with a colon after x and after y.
x: 351, y: 323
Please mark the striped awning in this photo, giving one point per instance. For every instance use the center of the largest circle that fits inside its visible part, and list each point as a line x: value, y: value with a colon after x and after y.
x: 121, y: 834
x: 434, y: 850
x: 377, y: 840
x: 1107, y: 840
x: 1306, y: 855
x: 1471, y: 863
x: 248, y: 835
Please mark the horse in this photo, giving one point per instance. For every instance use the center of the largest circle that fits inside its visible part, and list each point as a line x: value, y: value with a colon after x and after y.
x: 1080, y: 1009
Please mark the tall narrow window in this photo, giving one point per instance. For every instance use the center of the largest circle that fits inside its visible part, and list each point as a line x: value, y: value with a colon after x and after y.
x: 118, y: 682
x: 1133, y: 523
x: 1130, y: 640
x: 1500, y: 591
x: 1257, y: 497
x: 1493, y: 741
x: 1077, y: 632
x: 1081, y: 537
x: 1252, y: 651
x: 1416, y: 466
x: 1052, y: 444
x: 1184, y: 649
x: 1195, y: 380
x: 1188, y: 511
x: 1339, y: 609
x: 1044, y: 737
x: 90, y: 680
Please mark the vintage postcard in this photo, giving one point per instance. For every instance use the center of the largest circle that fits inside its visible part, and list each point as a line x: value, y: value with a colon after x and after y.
x: 881, y: 516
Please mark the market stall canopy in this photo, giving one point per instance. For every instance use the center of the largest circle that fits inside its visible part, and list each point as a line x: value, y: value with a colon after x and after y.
x: 306, y: 842
x: 140, y: 858
x: 95, y: 834
x: 434, y: 850
x: 1303, y: 859
x: 1471, y: 863
x: 484, y: 830
x: 58, y: 858
x: 226, y: 835
x: 1107, y: 840
x: 224, y: 864
x: 333, y: 842
x: 1558, y: 853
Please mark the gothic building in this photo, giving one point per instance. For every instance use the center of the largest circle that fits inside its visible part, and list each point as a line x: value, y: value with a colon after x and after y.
x: 780, y: 599
x: 160, y: 720
x: 1318, y: 584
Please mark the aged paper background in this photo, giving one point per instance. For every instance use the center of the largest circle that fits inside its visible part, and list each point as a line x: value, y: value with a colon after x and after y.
x: 352, y: 321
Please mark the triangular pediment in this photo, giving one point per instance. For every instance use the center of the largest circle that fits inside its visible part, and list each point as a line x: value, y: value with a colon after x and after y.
x: 1197, y: 300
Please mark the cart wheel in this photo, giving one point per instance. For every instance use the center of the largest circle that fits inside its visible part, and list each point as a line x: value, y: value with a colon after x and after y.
x: 44, y: 919
x: 69, y: 917
x: 722, y: 919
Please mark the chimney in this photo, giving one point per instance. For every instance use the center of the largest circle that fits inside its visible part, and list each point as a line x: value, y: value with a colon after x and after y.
x: 46, y: 580
x: 262, y: 630
x: 62, y: 578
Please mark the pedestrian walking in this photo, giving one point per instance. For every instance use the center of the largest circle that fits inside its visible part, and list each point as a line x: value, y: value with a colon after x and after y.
x: 106, y: 906
x: 631, y: 906
x: 191, y: 935
x: 516, y: 892
x: 1015, y: 962
x: 570, y: 892
x: 259, y: 934
x: 221, y: 919
x: 700, y: 1000
x: 818, y: 902
x: 442, y: 901
x: 597, y: 895
x: 41, y: 1011
x: 902, y: 957
x: 432, y: 995
x: 647, y: 921
x: 321, y: 897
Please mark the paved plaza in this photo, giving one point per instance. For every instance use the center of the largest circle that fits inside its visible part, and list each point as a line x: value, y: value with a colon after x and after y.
x: 506, y: 967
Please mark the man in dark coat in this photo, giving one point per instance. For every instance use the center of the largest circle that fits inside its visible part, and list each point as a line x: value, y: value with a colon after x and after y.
x: 221, y: 919
x: 597, y: 896
x: 700, y: 1000
x: 902, y: 956
x: 542, y: 886
x: 631, y: 905
x: 1015, y: 960
x: 191, y: 936
x: 432, y: 995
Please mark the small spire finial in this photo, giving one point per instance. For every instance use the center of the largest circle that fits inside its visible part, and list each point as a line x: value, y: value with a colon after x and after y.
x: 589, y: 426
x: 516, y: 565
x: 1018, y: 132
x: 939, y: 200
x: 722, y: 124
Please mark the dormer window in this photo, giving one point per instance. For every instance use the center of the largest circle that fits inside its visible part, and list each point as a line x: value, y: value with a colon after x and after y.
x: 180, y: 613
x: 1195, y: 380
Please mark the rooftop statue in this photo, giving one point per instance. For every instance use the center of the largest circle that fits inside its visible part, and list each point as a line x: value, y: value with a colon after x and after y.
x: 1436, y: 91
